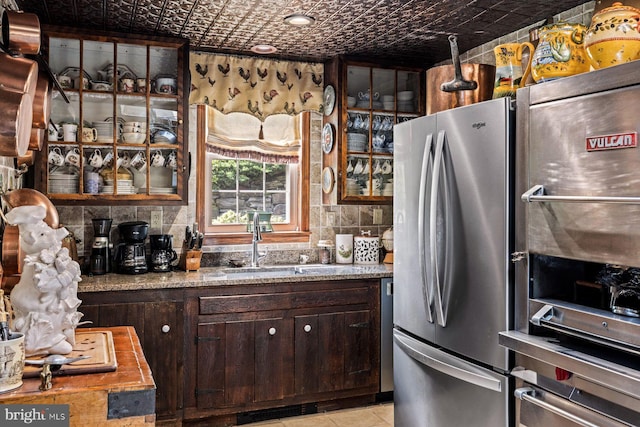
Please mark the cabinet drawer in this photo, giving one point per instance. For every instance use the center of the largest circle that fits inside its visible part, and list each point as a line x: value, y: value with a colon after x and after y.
x: 283, y: 300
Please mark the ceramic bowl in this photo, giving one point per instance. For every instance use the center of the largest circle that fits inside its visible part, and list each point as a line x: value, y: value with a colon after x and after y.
x: 133, y: 137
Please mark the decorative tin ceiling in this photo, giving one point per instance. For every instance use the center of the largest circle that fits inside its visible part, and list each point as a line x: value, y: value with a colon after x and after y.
x: 401, y: 31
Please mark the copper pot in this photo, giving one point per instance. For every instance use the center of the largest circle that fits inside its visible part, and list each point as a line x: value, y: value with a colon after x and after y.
x: 12, y: 254
x: 29, y: 196
x: 438, y: 100
x: 20, y: 74
x: 15, y: 128
x: 36, y: 140
x: 29, y: 158
x: 42, y: 102
x: 21, y: 32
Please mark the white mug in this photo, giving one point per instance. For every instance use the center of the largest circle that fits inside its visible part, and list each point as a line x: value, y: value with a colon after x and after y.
x: 53, y: 133
x: 107, y: 160
x: 69, y: 131
x: 55, y: 157
x: 157, y: 159
x: 124, y: 160
x: 139, y: 162
x: 172, y: 160
x: 95, y: 159
x: 89, y: 134
x: 72, y: 157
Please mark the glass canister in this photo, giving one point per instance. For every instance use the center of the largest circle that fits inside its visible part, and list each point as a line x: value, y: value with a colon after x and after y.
x: 560, y: 52
x: 613, y: 37
x: 326, y: 247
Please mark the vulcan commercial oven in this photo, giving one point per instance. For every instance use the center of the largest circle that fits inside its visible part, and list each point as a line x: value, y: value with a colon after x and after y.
x: 577, y: 262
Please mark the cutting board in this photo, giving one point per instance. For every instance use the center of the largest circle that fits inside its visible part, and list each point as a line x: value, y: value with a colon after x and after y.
x: 97, y: 344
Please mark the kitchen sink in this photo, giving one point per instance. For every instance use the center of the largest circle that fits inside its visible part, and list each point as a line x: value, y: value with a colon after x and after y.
x: 270, y: 270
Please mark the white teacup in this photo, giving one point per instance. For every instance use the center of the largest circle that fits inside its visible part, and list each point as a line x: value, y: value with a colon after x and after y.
x: 123, y: 160
x: 139, y: 162
x: 107, y: 160
x: 55, y: 157
x: 95, y: 159
x: 53, y: 133
x: 387, y: 167
x: 72, y: 157
x: 172, y: 160
x: 157, y: 159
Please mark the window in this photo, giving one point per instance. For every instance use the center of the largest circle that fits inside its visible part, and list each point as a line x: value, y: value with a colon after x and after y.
x: 229, y: 187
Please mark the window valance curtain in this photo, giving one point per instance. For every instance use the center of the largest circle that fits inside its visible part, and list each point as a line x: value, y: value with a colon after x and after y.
x: 257, y: 86
x: 234, y: 135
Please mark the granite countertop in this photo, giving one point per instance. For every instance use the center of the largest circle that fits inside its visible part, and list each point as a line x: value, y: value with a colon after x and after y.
x: 221, y: 276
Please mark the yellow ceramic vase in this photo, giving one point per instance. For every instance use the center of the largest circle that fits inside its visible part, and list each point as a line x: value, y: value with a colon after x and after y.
x: 509, y: 74
x: 560, y: 52
x: 613, y: 36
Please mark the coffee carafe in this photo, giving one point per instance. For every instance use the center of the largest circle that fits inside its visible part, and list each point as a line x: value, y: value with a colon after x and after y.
x: 100, y: 259
x: 162, y: 253
x: 131, y: 255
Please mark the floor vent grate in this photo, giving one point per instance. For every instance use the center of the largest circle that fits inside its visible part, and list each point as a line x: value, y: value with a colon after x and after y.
x: 274, y: 413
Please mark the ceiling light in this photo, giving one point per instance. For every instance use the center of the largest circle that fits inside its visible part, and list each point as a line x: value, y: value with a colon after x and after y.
x: 263, y: 49
x: 299, y: 19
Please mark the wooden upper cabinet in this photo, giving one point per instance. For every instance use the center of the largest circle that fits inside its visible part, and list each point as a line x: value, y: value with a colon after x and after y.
x: 127, y: 101
x: 370, y: 100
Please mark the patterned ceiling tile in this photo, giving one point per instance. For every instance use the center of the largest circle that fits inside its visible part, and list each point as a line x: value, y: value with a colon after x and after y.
x: 410, y: 31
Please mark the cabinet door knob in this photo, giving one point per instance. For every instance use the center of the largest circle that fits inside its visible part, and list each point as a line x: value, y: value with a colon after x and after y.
x: 166, y: 328
x: 272, y: 331
x: 307, y: 328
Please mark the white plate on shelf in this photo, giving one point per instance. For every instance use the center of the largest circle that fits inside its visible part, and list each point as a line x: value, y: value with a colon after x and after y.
x: 162, y: 190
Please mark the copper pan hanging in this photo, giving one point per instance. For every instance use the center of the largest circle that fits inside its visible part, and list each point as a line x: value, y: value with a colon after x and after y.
x: 21, y: 32
x: 19, y: 74
x: 15, y: 128
x: 36, y: 139
x: 42, y: 101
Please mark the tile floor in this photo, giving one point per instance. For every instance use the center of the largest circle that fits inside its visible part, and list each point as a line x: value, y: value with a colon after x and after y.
x: 369, y: 416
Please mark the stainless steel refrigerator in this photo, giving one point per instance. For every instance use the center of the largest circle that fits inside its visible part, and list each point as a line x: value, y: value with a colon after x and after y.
x: 453, y: 221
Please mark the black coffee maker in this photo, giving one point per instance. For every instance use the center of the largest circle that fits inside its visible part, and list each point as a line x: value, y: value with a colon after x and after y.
x: 162, y: 253
x: 100, y: 259
x: 131, y: 255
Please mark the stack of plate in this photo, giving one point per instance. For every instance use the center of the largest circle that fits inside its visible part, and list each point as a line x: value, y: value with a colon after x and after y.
x: 162, y: 190
x: 352, y: 187
x: 104, y: 130
x: 356, y: 142
x: 405, y: 101
x: 125, y: 186
x: 63, y: 183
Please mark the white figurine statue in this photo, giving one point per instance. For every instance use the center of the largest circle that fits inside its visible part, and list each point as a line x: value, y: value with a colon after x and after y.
x: 45, y: 300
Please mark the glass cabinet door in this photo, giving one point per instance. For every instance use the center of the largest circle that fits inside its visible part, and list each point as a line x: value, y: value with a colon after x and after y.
x: 126, y: 106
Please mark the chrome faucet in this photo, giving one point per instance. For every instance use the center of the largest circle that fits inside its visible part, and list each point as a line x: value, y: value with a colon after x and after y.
x: 257, y: 237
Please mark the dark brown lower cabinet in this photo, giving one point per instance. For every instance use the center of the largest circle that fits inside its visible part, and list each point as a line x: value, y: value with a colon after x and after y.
x: 158, y: 318
x: 259, y: 347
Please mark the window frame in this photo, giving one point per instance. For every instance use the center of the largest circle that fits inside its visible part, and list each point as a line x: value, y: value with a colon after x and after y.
x: 300, y: 233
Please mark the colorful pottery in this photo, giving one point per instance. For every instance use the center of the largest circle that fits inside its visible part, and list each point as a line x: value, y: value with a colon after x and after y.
x: 613, y: 36
x: 560, y: 52
x: 509, y: 74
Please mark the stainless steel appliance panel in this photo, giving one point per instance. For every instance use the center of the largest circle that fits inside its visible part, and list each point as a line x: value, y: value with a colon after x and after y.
x: 445, y: 390
x: 589, y: 208
x: 386, y: 335
x: 411, y: 302
x: 475, y: 271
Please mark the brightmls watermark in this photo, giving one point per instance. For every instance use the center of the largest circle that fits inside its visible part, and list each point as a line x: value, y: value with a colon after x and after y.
x: 34, y: 415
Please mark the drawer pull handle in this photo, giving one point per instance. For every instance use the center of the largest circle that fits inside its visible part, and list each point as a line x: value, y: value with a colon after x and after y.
x: 272, y: 331
x: 359, y: 325
x: 166, y: 329
x: 307, y: 328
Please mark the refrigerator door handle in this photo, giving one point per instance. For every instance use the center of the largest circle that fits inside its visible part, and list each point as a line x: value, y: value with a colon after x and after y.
x: 445, y: 363
x: 438, y: 163
x: 424, y: 277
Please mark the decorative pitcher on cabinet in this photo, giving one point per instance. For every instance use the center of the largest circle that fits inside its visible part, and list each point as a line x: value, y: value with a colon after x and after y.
x: 509, y: 74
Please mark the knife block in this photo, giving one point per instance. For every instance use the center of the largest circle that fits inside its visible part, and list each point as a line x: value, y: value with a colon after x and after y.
x: 190, y: 259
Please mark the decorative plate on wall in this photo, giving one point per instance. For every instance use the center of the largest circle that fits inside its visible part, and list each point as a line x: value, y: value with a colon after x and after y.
x: 328, y: 180
x: 327, y: 138
x: 329, y: 99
